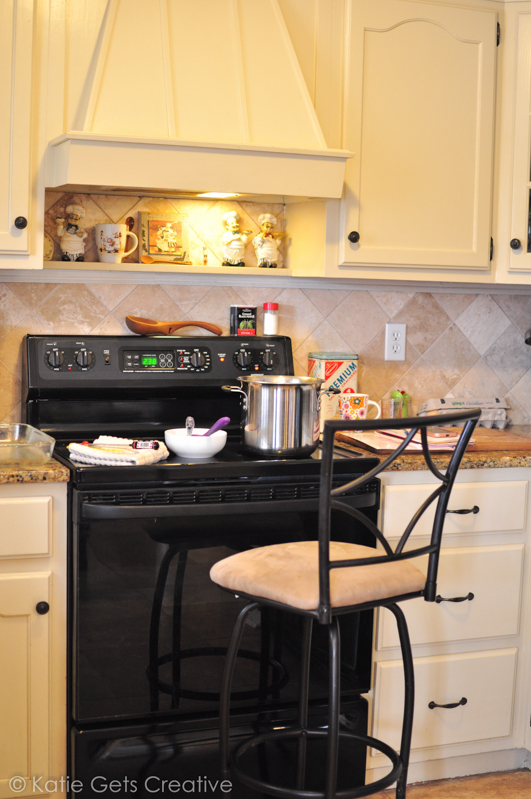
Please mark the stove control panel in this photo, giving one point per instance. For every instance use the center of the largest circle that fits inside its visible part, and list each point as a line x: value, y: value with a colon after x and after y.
x: 141, y: 361
x: 68, y: 358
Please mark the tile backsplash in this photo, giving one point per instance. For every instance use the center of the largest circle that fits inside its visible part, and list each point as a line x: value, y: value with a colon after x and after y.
x: 458, y: 344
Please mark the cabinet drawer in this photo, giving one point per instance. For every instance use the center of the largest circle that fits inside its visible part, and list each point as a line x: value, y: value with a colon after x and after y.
x: 502, y: 508
x: 26, y: 526
x: 492, y: 574
x: 485, y: 679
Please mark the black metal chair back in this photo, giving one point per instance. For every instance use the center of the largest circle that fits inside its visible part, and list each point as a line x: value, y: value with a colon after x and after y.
x: 330, y: 497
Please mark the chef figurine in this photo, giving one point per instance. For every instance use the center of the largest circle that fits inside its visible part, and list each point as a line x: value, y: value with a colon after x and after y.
x: 266, y: 243
x: 233, y: 241
x: 72, y: 238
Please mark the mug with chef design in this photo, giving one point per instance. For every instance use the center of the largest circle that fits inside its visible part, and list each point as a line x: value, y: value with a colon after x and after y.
x: 110, y: 242
x: 355, y: 406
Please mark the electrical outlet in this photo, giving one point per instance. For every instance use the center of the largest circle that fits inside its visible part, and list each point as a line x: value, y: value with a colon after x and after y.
x: 395, y: 342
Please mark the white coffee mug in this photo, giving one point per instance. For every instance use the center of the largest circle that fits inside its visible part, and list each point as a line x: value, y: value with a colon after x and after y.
x: 355, y: 406
x: 110, y: 242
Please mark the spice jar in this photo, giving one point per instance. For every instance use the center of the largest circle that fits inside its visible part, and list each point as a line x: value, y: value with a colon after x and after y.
x: 270, y: 318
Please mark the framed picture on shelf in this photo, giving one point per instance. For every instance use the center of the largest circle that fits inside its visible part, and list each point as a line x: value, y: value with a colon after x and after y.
x: 164, y: 237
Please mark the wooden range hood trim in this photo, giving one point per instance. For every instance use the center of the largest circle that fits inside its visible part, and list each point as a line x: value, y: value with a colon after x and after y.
x: 94, y: 159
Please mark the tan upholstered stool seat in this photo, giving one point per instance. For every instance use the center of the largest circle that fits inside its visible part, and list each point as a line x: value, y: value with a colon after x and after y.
x: 289, y: 573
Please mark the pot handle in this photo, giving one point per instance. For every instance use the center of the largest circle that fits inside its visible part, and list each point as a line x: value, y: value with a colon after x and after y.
x: 329, y: 390
x: 237, y: 390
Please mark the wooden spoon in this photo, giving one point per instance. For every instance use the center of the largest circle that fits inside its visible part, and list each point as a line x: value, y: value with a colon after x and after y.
x: 146, y: 327
x: 147, y: 259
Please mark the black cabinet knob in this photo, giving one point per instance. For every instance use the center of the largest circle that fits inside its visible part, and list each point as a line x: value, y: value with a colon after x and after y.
x: 42, y: 608
x: 515, y: 244
x: 354, y: 237
x: 21, y: 222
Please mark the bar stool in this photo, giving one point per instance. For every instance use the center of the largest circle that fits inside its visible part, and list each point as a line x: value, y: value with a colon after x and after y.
x: 321, y: 580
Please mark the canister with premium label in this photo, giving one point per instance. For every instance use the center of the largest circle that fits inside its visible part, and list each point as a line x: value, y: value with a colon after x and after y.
x: 337, y: 369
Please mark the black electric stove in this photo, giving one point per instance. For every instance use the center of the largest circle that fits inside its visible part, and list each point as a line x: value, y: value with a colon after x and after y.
x: 147, y: 628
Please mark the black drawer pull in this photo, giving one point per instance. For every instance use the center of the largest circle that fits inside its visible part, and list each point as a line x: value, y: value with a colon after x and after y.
x: 464, y: 511
x: 462, y: 701
x: 42, y: 608
x: 468, y: 597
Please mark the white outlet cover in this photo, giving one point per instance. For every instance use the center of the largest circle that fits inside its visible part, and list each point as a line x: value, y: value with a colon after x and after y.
x: 395, y: 341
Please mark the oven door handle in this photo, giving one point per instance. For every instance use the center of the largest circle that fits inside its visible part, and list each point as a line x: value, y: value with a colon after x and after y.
x: 142, y: 511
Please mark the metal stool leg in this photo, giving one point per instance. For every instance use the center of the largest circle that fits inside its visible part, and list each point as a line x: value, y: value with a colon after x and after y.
x: 409, y: 698
x: 303, y: 699
x: 334, y: 676
x: 224, y: 699
x: 156, y: 610
x: 176, y: 636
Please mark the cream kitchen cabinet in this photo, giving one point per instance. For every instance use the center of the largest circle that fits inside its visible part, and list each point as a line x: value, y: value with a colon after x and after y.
x: 22, y: 36
x: 513, y: 237
x: 32, y: 638
x: 471, y: 653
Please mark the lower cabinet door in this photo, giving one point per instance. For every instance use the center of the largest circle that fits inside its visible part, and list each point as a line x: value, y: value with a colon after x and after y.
x: 485, y: 585
x: 24, y: 684
x: 485, y: 679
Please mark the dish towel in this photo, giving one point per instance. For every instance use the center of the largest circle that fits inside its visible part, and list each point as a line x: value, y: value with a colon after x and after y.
x: 119, y: 456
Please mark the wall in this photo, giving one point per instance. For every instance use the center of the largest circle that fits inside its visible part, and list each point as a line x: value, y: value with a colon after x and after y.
x: 457, y: 343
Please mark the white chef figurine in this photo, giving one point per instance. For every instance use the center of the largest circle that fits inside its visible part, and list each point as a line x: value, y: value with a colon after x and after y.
x: 266, y: 243
x: 72, y: 238
x: 233, y: 241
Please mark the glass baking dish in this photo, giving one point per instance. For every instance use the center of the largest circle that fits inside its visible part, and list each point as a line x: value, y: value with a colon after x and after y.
x: 24, y: 446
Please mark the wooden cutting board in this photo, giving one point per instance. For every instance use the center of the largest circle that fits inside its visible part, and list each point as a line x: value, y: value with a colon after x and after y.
x: 486, y: 440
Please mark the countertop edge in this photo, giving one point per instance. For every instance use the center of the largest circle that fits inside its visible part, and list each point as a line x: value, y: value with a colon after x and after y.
x: 51, y: 472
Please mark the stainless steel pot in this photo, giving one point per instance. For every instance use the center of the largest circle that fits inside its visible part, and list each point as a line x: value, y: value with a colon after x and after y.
x: 280, y: 414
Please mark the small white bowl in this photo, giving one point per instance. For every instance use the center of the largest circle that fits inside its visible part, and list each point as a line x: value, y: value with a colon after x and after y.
x: 196, y: 446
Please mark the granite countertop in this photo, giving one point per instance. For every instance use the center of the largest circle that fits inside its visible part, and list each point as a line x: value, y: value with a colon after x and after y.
x: 50, y: 472
x: 509, y: 459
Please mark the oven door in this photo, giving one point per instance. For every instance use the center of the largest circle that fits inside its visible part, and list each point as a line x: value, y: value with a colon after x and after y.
x: 149, y: 628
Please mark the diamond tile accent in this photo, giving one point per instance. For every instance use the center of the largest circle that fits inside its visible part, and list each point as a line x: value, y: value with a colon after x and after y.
x: 12, y: 310
x: 454, y: 304
x: 392, y: 301
x: 480, y: 381
x: 324, y: 300
x: 358, y: 319
x: 483, y: 322
x: 151, y: 302
x: 513, y: 305
x: 72, y: 308
x: 509, y: 357
x: 323, y: 339
x: 452, y: 356
x: 425, y: 320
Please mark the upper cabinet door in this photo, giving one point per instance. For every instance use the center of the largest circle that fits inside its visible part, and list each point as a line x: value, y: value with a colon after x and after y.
x: 419, y: 115
x: 16, y: 54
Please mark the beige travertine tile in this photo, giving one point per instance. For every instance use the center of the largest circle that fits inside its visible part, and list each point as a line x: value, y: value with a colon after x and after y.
x: 369, y: 382
x: 480, y: 381
x: 523, y: 323
x: 421, y: 383
x: 425, y: 320
x: 454, y: 304
x: 522, y: 392
x: 153, y: 205
x: 12, y: 310
x: 11, y: 345
x: 358, y: 319
x: 111, y: 294
x: 9, y: 391
x: 110, y: 326
x: 115, y: 207
x: 151, y: 302
x: 392, y: 301
x: 513, y: 305
x: 213, y: 308
x: 388, y: 372
x: 253, y: 210
x: 482, y: 322
x: 323, y: 339
x: 51, y: 197
x: 257, y: 296
x: 517, y: 414
x: 509, y: 357
x: 14, y: 416
x: 298, y: 317
x: 325, y: 300
x: 32, y: 294
x: 452, y: 356
x: 194, y: 209
x: 186, y: 297
x: 72, y: 308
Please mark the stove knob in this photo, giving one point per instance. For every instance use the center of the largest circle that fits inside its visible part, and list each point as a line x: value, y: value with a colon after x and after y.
x: 197, y: 359
x: 56, y: 357
x: 244, y: 359
x: 269, y: 359
x: 84, y: 358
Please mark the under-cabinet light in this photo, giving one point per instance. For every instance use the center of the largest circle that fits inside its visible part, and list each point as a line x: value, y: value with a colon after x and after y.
x: 220, y: 195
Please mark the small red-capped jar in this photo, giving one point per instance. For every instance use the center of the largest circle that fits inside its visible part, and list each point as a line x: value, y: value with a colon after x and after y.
x: 270, y: 318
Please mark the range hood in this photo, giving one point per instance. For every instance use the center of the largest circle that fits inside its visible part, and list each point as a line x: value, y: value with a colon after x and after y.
x: 219, y: 104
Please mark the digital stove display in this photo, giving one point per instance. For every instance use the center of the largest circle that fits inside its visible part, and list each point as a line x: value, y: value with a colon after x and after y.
x: 134, y: 361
